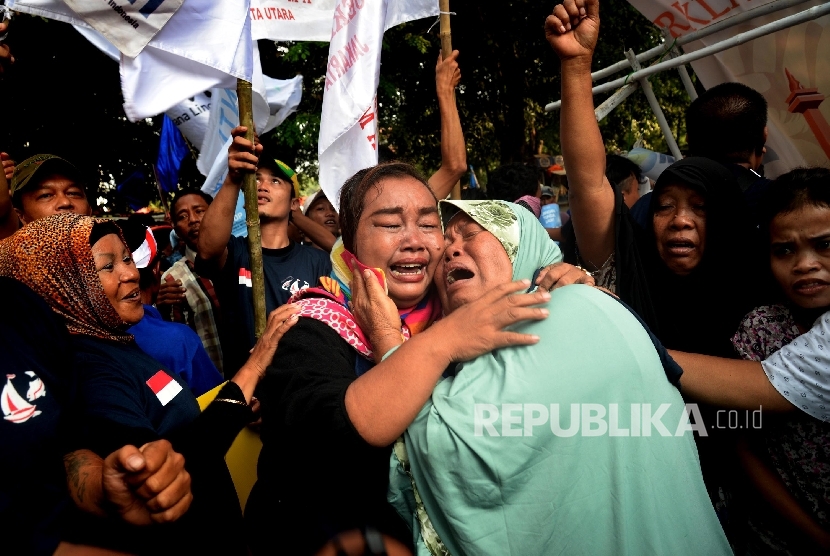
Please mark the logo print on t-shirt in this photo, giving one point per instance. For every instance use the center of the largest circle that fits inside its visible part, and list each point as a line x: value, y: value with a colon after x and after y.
x: 293, y: 286
x: 15, y: 408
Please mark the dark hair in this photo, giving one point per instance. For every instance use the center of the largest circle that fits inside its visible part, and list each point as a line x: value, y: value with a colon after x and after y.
x: 511, y: 181
x: 792, y: 191
x: 185, y: 192
x: 102, y: 229
x: 353, y: 194
x: 619, y: 168
x: 726, y: 123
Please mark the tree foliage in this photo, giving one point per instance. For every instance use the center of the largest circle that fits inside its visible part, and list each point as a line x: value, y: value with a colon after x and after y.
x: 63, y: 96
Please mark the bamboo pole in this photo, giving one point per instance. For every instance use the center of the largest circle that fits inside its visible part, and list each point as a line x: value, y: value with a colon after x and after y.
x: 246, y: 118
x: 446, y: 50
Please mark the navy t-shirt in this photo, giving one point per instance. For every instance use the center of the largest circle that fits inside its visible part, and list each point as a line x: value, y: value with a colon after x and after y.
x: 287, y: 271
x: 121, y: 386
x: 34, y: 349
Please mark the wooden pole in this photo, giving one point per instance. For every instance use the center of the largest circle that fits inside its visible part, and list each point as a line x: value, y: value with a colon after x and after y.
x: 446, y: 50
x: 246, y: 118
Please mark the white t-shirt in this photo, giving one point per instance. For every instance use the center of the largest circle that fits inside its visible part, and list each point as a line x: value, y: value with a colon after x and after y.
x: 800, y: 371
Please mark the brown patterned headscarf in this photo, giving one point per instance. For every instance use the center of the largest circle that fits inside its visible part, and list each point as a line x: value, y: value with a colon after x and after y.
x: 53, y: 257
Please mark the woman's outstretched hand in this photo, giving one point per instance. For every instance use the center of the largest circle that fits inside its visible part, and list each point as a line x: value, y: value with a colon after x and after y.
x: 573, y: 27
x: 280, y: 321
x: 484, y: 321
x: 375, y: 314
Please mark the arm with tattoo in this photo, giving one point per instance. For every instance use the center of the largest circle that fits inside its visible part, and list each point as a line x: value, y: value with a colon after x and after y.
x: 138, y: 485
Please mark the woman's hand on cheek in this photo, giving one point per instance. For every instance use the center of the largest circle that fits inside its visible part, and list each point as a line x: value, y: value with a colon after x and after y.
x: 375, y: 313
x: 479, y: 327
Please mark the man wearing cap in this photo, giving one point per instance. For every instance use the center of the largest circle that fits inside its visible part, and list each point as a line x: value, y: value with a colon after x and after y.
x: 46, y: 184
x: 288, y: 266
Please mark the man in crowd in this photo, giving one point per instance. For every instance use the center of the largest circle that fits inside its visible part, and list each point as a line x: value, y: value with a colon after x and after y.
x: 288, y: 266
x: 727, y: 123
x: 46, y: 184
x: 184, y: 295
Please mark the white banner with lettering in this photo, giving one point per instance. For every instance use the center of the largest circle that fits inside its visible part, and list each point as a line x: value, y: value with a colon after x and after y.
x: 348, y: 126
x: 292, y: 20
x: 795, y: 139
x: 127, y: 24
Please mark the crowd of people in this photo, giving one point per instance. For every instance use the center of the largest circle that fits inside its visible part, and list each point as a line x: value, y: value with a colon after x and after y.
x: 436, y: 376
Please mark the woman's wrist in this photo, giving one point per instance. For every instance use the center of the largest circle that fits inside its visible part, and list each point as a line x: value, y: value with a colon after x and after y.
x: 385, y: 341
x: 247, y: 379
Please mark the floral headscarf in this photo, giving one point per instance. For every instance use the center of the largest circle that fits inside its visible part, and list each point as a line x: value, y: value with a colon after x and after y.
x: 53, y: 257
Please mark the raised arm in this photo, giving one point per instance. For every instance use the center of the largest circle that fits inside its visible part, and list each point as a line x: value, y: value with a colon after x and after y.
x: 453, y: 149
x: 215, y: 231
x: 572, y: 31
x: 320, y: 235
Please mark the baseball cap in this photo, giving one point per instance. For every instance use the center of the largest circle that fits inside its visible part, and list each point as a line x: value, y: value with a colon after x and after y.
x: 547, y: 191
x: 281, y: 170
x: 38, y: 166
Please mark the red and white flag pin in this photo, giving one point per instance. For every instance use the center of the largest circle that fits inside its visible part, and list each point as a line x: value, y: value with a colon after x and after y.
x: 164, y: 387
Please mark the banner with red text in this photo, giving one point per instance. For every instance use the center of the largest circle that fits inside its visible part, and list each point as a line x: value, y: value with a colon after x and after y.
x: 348, y: 126
x: 797, y: 136
x: 292, y: 20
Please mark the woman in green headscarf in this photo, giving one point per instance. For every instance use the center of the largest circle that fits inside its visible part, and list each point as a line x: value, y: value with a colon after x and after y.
x: 575, y: 445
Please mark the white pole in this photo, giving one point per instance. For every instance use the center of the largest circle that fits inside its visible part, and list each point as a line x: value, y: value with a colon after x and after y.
x: 655, y: 107
x: 684, y: 75
x: 615, y: 100
x: 795, y: 19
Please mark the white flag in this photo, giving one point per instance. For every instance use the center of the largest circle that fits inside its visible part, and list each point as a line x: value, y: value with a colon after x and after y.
x: 282, y: 96
x: 348, y: 126
x: 127, y: 24
x: 206, y: 44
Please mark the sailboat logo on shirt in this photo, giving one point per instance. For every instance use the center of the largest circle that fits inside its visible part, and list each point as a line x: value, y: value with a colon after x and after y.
x: 293, y: 285
x: 15, y: 408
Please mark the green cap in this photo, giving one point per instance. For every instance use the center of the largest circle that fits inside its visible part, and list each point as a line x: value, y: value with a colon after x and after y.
x: 40, y: 165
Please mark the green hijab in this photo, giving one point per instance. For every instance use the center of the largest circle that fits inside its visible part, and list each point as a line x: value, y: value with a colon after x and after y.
x: 492, y: 476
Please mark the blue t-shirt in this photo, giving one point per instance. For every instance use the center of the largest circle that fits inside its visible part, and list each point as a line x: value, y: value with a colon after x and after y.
x: 287, y: 271
x: 177, y: 348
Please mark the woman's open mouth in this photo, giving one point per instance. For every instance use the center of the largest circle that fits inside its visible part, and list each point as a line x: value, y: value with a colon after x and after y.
x: 458, y: 274
x: 680, y: 247
x: 414, y: 272
x: 810, y: 287
x: 133, y: 296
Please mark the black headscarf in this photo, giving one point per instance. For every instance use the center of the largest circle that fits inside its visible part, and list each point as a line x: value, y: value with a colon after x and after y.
x: 701, y: 311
